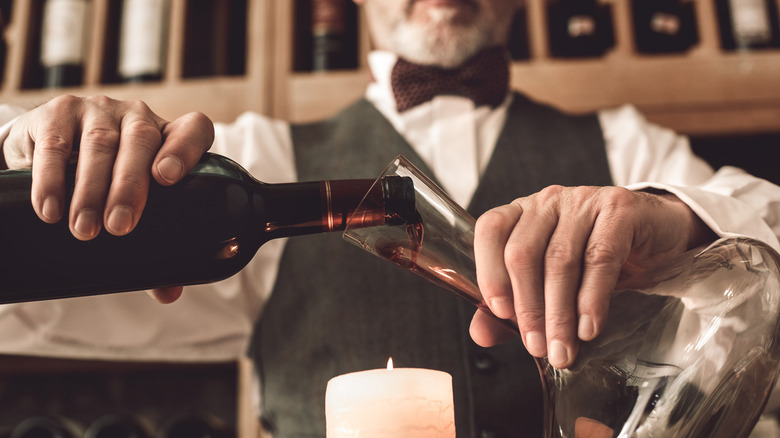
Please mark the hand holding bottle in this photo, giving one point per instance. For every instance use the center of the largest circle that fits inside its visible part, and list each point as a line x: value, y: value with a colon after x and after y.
x: 552, y: 259
x: 119, y: 145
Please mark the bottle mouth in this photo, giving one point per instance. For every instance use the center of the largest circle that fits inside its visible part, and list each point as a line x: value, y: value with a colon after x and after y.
x: 399, y: 197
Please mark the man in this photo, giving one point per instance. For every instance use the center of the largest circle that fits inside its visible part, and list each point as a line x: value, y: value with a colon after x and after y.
x: 549, y: 259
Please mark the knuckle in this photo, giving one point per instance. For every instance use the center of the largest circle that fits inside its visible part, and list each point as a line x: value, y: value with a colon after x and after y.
x: 198, y: 118
x: 130, y: 183
x: 54, y: 145
x: 601, y: 254
x: 551, y: 192
x: 530, y: 316
x: 64, y: 102
x: 99, y: 101
x: 493, y: 287
x: 101, y: 139
x: 488, y: 222
x: 518, y: 257
x: 139, y: 106
x: 559, y: 321
x: 143, y: 134
x: 617, y: 197
x: 561, y: 258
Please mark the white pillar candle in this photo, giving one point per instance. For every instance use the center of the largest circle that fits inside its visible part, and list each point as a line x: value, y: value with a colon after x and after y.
x: 391, y: 403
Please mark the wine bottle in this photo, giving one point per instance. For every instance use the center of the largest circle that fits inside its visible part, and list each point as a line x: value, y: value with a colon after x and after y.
x: 748, y: 24
x: 664, y: 26
x: 116, y: 426
x: 328, y: 31
x: 579, y: 28
x: 204, y: 229
x: 142, y: 40
x: 191, y: 425
x: 215, y: 39
x: 43, y: 427
x: 63, y: 42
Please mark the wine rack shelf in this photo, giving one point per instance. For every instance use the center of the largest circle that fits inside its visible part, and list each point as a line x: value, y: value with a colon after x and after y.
x: 704, y: 91
x: 220, y: 97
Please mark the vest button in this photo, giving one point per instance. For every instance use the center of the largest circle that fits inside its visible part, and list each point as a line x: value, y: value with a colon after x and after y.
x: 484, y: 363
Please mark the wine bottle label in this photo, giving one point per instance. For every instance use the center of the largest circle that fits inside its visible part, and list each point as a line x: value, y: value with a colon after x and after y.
x: 64, y: 32
x: 328, y: 17
x: 665, y: 23
x: 750, y: 20
x: 142, y: 37
x: 581, y: 26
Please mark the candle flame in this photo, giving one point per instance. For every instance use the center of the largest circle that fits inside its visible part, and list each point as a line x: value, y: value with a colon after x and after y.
x: 390, y: 363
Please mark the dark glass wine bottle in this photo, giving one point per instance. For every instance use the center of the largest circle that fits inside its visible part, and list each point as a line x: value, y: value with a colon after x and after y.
x: 116, y: 426
x: 664, y: 26
x: 142, y: 40
x: 63, y: 42
x: 579, y: 28
x: 328, y: 31
x: 191, y: 425
x: 204, y: 229
x: 42, y: 427
x: 748, y: 24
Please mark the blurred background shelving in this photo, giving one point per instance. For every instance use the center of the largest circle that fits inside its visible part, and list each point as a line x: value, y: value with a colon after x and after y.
x: 302, y: 60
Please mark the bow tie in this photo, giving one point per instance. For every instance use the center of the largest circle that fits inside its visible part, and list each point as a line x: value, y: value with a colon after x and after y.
x: 483, y: 79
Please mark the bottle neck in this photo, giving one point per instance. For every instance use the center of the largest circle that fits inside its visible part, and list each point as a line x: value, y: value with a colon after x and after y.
x: 327, y: 206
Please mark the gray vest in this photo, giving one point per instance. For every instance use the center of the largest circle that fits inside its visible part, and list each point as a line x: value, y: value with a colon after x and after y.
x: 337, y: 309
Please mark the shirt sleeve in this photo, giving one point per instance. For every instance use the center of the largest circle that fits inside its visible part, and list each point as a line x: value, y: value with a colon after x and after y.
x: 730, y: 201
x: 8, y: 115
x: 210, y: 322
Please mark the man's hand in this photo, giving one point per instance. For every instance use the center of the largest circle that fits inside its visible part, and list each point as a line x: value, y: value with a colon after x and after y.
x: 552, y: 260
x: 120, y: 145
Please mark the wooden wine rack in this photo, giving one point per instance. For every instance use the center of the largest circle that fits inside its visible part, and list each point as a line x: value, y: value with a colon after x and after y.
x: 221, y: 98
x: 705, y: 91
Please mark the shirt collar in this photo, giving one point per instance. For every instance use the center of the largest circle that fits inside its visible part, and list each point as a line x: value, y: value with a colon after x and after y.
x: 380, y: 91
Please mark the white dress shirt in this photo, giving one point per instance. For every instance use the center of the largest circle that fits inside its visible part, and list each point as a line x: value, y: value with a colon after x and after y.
x: 214, y: 322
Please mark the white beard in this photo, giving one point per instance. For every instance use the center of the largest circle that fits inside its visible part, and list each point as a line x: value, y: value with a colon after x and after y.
x: 441, y: 41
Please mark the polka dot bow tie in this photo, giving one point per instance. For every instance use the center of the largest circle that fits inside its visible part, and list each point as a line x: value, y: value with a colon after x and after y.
x: 483, y: 79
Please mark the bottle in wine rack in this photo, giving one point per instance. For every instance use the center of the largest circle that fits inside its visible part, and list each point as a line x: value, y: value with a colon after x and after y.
x: 664, y: 26
x: 328, y: 30
x: 43, y: 427
x: 519, y: 44
x: 579, y: 28
x: 143, y: 40
x: 748, y: 24
x: 215, y: 38
x: 63, y: 42
x: 203, y: 229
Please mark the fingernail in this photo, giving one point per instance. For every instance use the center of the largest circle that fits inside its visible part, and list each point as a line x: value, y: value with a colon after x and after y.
x: 51, y: 209
x: 586, y: 329
x: 170, y: 169
x: 86, y: 224
x: 120, y: 220
x: 502, y: 307
x: 559, y: 354
x: 536, y: 344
